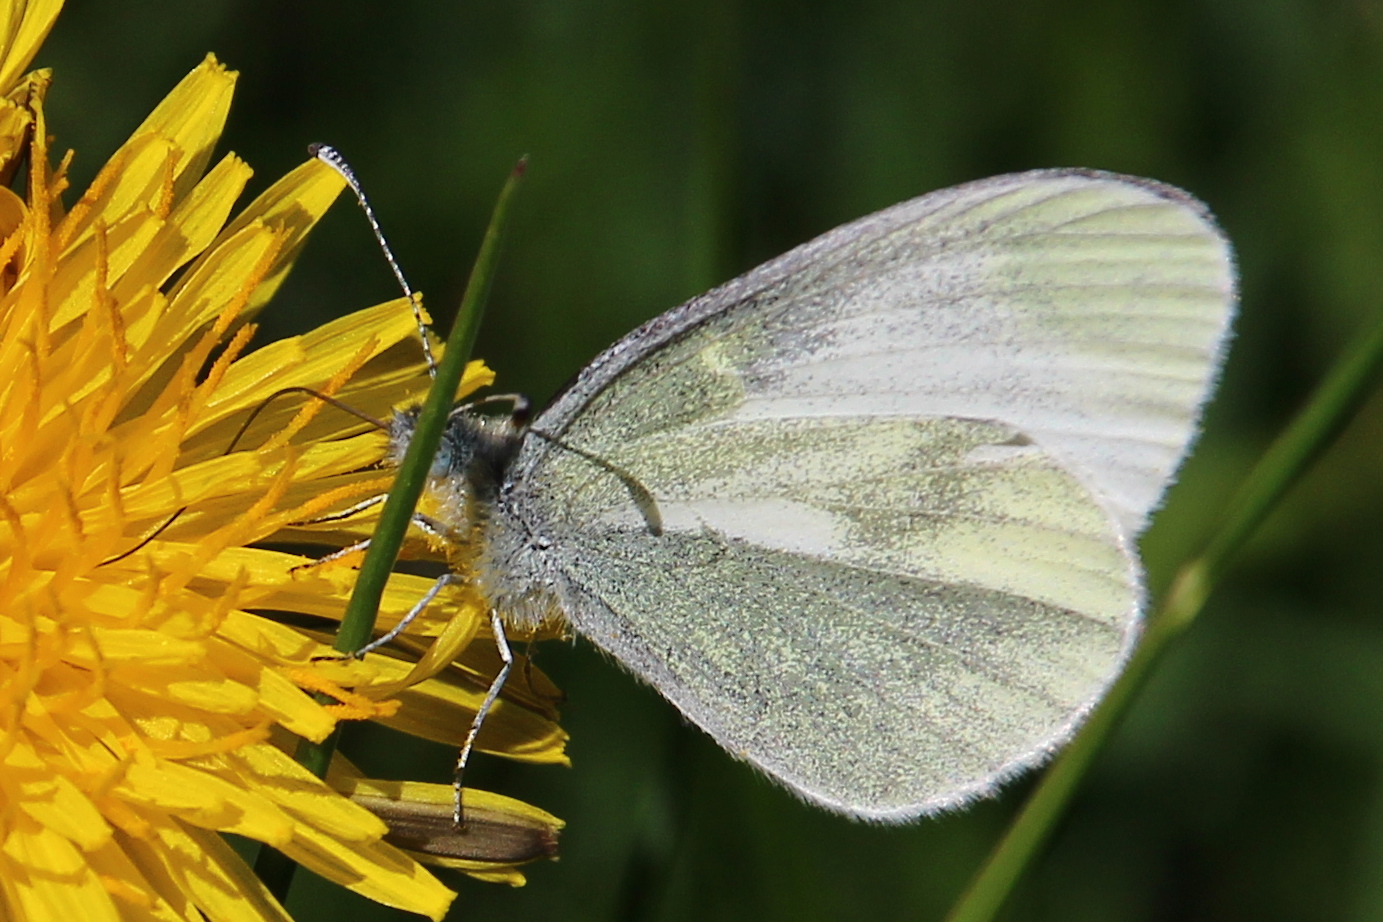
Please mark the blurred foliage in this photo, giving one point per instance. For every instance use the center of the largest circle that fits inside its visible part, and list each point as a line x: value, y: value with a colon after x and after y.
x: 675, y: 144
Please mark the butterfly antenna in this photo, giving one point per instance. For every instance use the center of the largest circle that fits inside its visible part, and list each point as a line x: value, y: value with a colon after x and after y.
x: 146, y: 540
x: 340, y: 405
x: 332, y: 158
x: 245, y: 427
x: 643, y: 498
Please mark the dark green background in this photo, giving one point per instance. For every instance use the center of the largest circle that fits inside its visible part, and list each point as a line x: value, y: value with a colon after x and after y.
x: 677, y: 143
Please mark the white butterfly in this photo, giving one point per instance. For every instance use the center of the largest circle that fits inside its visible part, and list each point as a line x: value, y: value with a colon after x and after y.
x: 867, y: 514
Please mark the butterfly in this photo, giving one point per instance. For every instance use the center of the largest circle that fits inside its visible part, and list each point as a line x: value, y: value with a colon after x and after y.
x: 868, y: 514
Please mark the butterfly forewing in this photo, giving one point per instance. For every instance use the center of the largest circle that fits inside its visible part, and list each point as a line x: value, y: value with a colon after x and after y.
x: 899, y: 471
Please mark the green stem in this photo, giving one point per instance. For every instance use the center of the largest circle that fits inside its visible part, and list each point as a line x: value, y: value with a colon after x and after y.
x: 1291, y: 455
x: 358, y: 623
x: 275, y: 870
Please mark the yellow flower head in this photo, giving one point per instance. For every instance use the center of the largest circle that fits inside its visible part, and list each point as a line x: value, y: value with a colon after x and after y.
x: 141, y: 698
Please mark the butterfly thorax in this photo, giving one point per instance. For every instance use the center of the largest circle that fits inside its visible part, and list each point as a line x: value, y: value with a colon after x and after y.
x: 462, y: 502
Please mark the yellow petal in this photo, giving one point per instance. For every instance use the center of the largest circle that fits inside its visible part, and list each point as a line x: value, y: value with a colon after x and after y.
x: 285, y: 702
x: 147, y: 647
x: 377, y: 871
x: 202, y: 867
x: 137, y: 900
x: 314, y: 357
x: 276, y: 776
x: 443, y: 711
x: 194, y: 223
x: 202, y: 799
x: 185, y: 685
x: 53, y: 800
x: 192, y: 118
x: 273, y: 641
x: 15, y: 121
x: 23, y: 27
x: 48, y: 879
x: 446, y: 648
x: 321, y: 590
x: 237, y: 265
x: 293, y: 206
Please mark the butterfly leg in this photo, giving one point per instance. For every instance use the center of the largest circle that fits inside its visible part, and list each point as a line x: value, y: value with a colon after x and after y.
x: 520, y: 408
x: 423, y: 523
x: 337, y: 517
x: 346, y: 551
x: 348, y: 512
x: 426, y: 524
x: 528, y: 663
x: 507, y: 658
x: 446, y: 579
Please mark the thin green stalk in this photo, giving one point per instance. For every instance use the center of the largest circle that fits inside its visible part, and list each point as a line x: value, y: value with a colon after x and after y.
x: 1291, y: 455
x: 358, y: 623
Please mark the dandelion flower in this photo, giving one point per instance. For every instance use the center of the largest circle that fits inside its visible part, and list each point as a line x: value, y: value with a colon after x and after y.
x: 143, y: 702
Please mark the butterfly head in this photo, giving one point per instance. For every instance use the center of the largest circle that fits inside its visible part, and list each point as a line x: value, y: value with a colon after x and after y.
x: 476, y: 448
x: 470, y: 464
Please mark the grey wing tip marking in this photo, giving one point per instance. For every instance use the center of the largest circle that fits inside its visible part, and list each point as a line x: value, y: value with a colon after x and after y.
x: 1155, y: 186
x: 1172, y: 194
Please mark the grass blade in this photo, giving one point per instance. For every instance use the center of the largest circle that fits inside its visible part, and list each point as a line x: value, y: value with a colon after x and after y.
x: 357, y: 625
